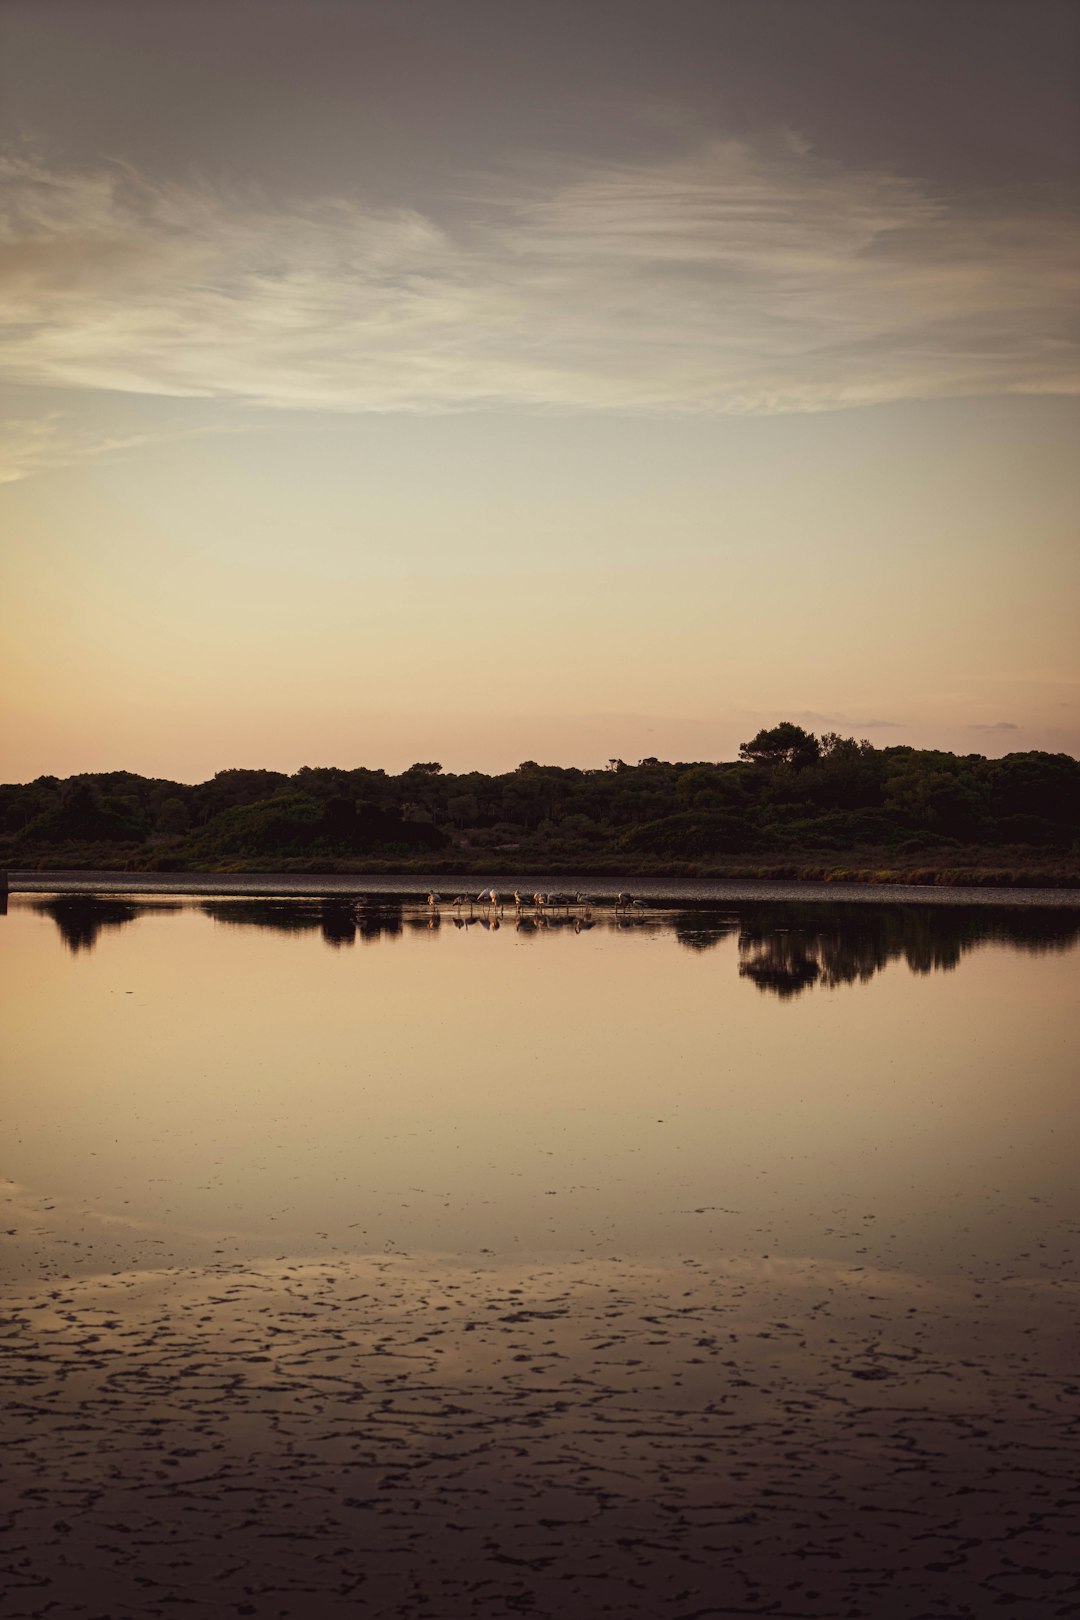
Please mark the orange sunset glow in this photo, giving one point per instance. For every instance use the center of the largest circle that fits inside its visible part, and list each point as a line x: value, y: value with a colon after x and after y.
x: 384, y: 383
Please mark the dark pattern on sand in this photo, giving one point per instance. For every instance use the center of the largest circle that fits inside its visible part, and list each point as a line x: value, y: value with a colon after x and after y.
x: 408, y: 1438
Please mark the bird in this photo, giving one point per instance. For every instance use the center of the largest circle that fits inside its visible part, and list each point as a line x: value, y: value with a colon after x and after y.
x: 622, y: 900
x: 433, y: 898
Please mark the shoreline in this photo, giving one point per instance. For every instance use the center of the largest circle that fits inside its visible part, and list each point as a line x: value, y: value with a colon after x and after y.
x: 872, y: 868
x: 655, y: 889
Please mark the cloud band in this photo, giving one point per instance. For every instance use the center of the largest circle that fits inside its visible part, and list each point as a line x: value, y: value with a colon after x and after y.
x: 742, y: 277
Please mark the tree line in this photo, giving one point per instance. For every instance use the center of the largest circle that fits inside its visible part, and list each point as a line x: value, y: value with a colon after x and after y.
x: 790, y: 794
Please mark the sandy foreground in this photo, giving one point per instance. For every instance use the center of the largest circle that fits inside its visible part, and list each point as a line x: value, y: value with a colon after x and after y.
x: 402, y: 1436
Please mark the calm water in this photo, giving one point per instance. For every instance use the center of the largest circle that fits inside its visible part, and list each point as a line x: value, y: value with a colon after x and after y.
x: 706, y: 1261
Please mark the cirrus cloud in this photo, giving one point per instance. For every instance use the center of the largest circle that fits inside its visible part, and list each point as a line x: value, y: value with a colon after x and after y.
x: 743, y: 277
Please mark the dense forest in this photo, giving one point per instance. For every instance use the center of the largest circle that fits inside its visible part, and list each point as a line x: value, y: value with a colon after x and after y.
x: 793, y: 804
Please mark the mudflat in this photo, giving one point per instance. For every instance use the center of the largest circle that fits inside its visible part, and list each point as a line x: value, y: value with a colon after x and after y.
x: 408, y: 1437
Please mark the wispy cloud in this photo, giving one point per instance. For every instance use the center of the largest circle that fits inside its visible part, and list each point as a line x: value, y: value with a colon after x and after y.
x: 743, y: 277
x: 996, y: 725
x: 812, y: 717
x: 29, y: 444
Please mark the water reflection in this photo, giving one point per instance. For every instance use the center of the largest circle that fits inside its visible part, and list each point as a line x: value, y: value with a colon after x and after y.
x: 829, y: 946
x: 784, y: 949
x: 338, y: 919
x: 622, y: 1260
x: 81, y: 917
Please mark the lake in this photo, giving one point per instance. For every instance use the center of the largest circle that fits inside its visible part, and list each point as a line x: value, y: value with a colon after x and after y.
x: 712, y: 1258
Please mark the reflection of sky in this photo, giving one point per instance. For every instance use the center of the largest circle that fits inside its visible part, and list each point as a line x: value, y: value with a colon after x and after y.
x: 245, y: 1089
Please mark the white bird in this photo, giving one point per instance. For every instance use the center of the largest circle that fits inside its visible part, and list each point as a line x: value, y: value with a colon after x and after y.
x: 433, y: 898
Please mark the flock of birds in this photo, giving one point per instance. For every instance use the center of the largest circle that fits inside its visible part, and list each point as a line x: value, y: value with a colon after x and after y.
x: 541, y: 903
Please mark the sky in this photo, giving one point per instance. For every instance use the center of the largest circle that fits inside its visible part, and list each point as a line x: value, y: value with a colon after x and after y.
x: 510, y: 379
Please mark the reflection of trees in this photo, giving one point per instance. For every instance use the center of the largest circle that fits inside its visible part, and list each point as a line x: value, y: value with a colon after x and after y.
x: 784, y: 947
x: 379, y: 919
x: 701, y: 930
x: 787, y: 948
x: 285, y: 916
x: 782, y: 964
x: 337, y: 920
x: 81, y: 917
x: 340, y: 919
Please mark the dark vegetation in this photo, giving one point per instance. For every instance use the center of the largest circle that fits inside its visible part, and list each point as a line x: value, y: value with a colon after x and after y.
x: 792, y: 805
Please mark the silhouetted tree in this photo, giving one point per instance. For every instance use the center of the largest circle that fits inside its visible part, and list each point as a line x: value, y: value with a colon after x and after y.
x: 785, y: 744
